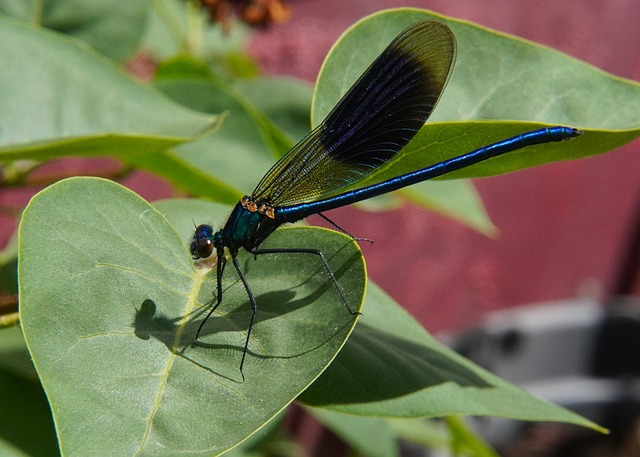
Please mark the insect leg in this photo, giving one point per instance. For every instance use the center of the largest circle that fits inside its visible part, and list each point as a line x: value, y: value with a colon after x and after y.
x: 355, y: 238
x: 254, y: 309
x: 320, y: 254
x: 222, y: 261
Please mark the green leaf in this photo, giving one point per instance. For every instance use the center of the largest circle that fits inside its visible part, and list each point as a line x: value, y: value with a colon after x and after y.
x: 25, y: 423
x: 446, y: 140
x: 186, y: 175
x: 285, y: 101
x: 514, y: 71
x: 464, y: 439
x: 370, y: 436
x: 241, y: 65
x: 428, y: 433
x: 241, y: 150
x: 416, y: 376
x: 8, y: 263
x: 455, y: 198
x: 260, y: 116
x: 112, y: 27
x: 26, y: 427
x: 57, y: 110
x: 270, y: 440
x: 13, y: 353
x: 451, y: 435
x: 183, y: 66
x: 522, y: 86
x: 110, y: 302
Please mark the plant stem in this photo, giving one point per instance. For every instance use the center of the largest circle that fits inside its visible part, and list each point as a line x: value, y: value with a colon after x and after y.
x: 171, y: 22
x: 38, y: 12
x: 194, y: 27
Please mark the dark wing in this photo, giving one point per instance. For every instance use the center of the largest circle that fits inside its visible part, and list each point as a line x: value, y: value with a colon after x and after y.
x: 374, y: 120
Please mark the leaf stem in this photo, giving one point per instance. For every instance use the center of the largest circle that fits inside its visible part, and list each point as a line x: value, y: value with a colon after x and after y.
x: 173, y: 25
x: 38, y: 12
x: 9, y: 311
x: 194, y: 27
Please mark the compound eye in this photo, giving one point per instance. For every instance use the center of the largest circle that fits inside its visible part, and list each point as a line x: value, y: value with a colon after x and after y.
x: 204, y: 248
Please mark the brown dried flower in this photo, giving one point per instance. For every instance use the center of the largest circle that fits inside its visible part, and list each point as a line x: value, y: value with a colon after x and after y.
x: 253, y: 12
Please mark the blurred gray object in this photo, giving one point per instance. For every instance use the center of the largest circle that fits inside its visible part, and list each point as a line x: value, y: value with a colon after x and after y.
x: 578, y: 354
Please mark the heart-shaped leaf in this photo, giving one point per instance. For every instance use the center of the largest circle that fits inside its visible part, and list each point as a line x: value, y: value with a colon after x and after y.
x: 110, y: 302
